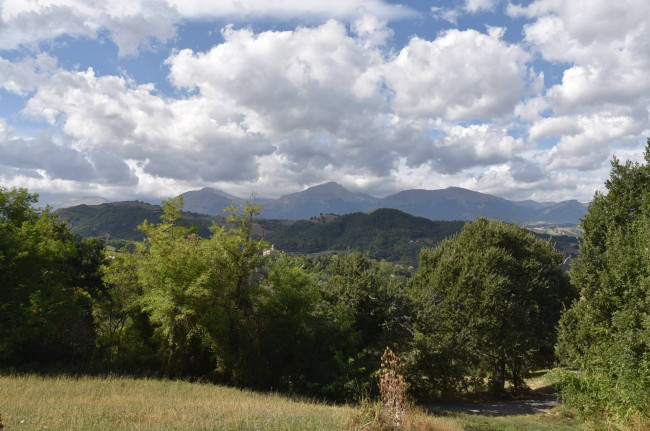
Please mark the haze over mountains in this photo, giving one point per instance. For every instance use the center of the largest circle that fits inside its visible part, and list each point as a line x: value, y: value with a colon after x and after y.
x: 453, y: 203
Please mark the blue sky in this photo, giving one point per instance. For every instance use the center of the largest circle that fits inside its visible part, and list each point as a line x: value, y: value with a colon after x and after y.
x: 129, y: 99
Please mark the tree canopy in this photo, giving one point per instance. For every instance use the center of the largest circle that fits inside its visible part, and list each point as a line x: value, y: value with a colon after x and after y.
x: 488, y: 303
x: 605, y: 335
x: 47, y: 280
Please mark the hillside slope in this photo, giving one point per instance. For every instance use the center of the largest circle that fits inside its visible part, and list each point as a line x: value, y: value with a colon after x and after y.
x: 120, y: 220
x: 455, y: 203
x: 384, y: 234
x: 326, y: 198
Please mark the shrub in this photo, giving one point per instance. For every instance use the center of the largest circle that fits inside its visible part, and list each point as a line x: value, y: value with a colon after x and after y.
x: 388, y: 413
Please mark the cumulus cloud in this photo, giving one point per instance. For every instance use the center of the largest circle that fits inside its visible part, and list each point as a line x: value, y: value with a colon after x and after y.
x: 605, y: 43
x: 532, y: 108
x: 445, y: 14
x: 313, y: 92
x: 22, y: 76
x: 451, y: 14
x: 268, y: 110
x: 43, y: 156
x: 461, y: 75
x: 474, y: 6
x: 603, y: 98
x: 131, y: 24
x: 526, y: 171
x: 191, y: 138
x: 288, y: 80
x: 372, y: 31
x: 554, y: 127
x: 589, y: 148
x: 341, y: 9
x: 505, y: 180
x: 313, y: 100
x: 137, y: 24
x: 466, y: 147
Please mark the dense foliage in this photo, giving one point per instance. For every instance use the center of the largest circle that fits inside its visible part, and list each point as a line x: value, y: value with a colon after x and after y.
x: 48, y: 278
x: 385, y: 233
x: 605, y: 336
x: 488, y: 303
x: 187, y: 305
x: 120, y: 220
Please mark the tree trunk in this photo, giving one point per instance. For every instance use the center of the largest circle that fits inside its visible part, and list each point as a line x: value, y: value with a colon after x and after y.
x: 499, y: 378
x: 516, y: 379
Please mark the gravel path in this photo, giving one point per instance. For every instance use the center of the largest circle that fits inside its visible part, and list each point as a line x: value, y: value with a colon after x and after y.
x: 501, y: 408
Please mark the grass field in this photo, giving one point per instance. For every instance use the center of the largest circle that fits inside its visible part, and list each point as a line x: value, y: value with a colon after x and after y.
x: 93, y: 404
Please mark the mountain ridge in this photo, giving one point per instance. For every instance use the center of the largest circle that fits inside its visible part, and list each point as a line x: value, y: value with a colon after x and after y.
x: 451, y: 203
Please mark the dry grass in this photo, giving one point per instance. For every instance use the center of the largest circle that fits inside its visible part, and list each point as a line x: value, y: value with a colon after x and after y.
x: 92, y: 404
x: 38, y: 403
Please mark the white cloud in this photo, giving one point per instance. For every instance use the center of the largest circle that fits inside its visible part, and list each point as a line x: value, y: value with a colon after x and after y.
x: 342, y: 9
x: 190, y: 138
x: 43, y: 157
x: 554, y: 127
x: 131, y: 24
x: 136, y: 24
x: 372, y: 31
x: 474, y: 6
x: 449, y: 15
x: 504, y: 180
x: 603, y: 99
x: 21, y: 77
x: 472, y: 146
x: 317, y: 102
x: 531, y: 109
x: 461, y: 75
x: 589, y: 148
x: 606, y: 44
x: 274, y: 111
x: 312, y: 92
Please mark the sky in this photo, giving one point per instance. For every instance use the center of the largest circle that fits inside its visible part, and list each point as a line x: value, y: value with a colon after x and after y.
x: 146, y: 99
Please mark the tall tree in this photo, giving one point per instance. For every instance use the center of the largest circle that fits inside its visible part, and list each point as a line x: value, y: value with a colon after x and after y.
x: 606, y: 334
x: 488, y: 301
x: 199, y: 293
x: 47, y: 277
x: 366, y: 306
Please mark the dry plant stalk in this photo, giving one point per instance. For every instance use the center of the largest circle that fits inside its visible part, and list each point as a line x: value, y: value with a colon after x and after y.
x: 392, y: 386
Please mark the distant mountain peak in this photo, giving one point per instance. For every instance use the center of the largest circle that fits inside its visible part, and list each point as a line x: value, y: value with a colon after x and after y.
x: 328, y: 187
x: 451, y: 203
x: 332, y: 184
x: 214, y: 192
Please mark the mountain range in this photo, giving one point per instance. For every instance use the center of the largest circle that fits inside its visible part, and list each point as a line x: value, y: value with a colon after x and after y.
x: 383, y: 233
x: 453, y: 203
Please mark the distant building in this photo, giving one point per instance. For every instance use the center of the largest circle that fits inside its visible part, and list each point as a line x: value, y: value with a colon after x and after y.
x: 269, y: 250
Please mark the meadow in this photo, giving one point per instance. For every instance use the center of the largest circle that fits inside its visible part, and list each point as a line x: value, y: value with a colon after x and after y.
x: 31, y: 402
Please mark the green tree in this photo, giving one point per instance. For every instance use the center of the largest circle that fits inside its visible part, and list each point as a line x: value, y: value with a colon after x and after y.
x: 197, y: 293
x: 365, y: 304
x: 488, y: 301
x: 605, y: 335
x: 47, y: 280
x: 125, y: 334
x: 288, y: 326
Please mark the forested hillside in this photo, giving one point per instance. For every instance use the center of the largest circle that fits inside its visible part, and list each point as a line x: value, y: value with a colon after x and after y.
x: 120, y: 220
x: 384, y: 234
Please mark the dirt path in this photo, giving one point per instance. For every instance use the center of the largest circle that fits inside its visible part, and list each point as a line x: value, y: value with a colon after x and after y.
x: 501, y: 408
